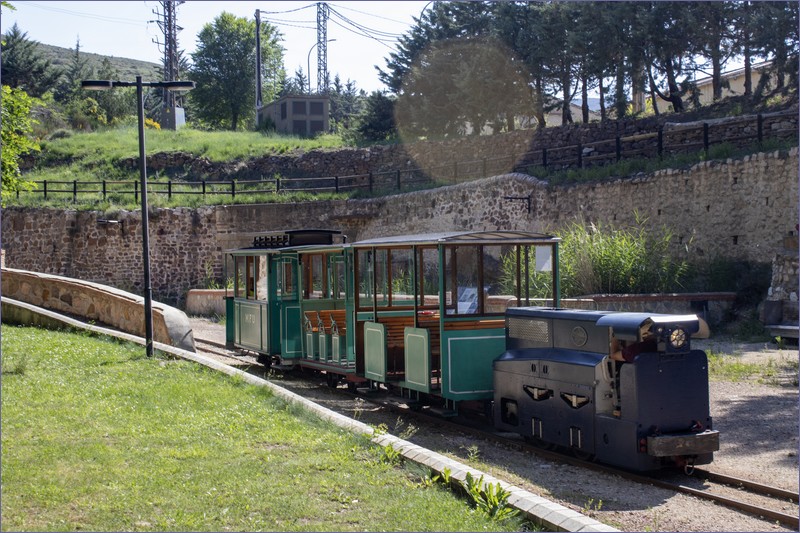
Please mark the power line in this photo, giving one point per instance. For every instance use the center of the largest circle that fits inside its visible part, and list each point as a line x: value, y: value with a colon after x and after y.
x: 369, y: 14
x: 117, y: 20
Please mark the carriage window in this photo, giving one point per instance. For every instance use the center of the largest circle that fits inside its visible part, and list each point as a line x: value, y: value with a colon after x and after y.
x: 239, y: 282
x: 246, y: 277
x: 261, y: 278
x: 428, y: 278
x: 315, y: 284
x: 462, y: 278
x: 289, y: 281
x: 337, y: 271
x: 402, y: 281
x: 372, y: 277
x: 534, y: 264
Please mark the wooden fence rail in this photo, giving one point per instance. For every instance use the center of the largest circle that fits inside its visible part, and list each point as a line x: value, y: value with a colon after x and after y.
x: 674, y: 140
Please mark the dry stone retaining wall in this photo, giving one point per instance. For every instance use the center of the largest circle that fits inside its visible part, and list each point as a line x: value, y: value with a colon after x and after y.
x: 742, y: 209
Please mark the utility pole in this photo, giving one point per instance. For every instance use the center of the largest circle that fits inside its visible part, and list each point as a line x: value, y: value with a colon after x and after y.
x: 259, y: 98
x: 322, y: 48
x: 172, y: 113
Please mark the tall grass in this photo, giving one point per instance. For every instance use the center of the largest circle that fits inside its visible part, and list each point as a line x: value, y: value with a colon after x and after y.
x: 596, y: 258
x: 98, y: 437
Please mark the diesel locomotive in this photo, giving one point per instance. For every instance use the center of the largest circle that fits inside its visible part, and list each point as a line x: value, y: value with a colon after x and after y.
x: 558, y: 384
x: 455, y: 319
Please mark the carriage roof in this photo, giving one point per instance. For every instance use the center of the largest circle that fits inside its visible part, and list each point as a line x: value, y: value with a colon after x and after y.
x: 460, y: 237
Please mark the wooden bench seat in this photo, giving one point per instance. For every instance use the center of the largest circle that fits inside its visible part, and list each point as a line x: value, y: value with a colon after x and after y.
x: 334, y: 321
x: 395, y: 329
x: 312, y: 322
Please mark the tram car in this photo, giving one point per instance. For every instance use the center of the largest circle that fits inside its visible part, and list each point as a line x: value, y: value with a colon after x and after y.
x: 422, y: 315
x: 624, y: 388
x: 461, y: 320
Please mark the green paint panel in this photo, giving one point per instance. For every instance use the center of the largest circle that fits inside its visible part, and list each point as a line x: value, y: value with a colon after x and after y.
x: 311, y: 345
x: 375, y: 358
x: 292, y: 329
x: 324, y: 346
x: 249, y: 324
x: 467, y: 358
x: 417, y: 359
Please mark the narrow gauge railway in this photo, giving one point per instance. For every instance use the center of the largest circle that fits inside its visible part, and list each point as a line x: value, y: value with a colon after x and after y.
x: 472, y: 321
x: 738, y: 494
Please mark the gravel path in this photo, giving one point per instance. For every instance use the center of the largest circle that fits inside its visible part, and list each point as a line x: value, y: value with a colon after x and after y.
x: 758, y: 423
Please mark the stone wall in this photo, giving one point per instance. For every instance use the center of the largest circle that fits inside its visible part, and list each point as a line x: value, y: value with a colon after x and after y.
x: 741, y: 209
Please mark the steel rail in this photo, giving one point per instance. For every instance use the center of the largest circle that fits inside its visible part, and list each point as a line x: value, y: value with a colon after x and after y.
x: 752, y: 486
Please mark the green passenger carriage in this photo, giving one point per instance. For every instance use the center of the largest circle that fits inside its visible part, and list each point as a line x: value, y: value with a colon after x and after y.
x: 421, y: 314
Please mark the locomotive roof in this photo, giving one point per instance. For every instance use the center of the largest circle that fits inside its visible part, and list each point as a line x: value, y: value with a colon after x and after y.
x: 461, y: 237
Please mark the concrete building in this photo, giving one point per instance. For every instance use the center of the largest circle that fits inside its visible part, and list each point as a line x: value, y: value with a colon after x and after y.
x: 301, y: 115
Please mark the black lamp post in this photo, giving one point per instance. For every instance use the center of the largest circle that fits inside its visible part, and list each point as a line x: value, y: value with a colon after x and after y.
x: 102, y: 85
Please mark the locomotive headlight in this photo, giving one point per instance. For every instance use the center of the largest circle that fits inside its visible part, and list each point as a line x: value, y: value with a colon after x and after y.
x: 677, y: 339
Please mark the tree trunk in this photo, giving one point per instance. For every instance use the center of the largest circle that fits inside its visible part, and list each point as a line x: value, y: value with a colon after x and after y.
x: 602, y: 92
x: 620, y: 102
x: 585, y: 100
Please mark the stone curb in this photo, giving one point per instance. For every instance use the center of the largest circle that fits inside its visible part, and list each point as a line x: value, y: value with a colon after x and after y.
x: 549, y: 515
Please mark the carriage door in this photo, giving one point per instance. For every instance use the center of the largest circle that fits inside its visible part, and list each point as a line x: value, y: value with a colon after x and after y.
x: 291, y: 324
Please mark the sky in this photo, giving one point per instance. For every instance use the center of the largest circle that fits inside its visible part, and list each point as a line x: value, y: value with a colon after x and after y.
x: 127, y: 29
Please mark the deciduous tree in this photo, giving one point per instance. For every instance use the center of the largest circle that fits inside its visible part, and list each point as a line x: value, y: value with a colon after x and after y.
x: 223, y: 70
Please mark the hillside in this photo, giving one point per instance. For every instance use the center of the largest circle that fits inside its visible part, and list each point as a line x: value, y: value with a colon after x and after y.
x: 128, y: 68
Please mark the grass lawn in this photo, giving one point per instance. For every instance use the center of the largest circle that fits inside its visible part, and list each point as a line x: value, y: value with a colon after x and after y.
x: 95, y: 436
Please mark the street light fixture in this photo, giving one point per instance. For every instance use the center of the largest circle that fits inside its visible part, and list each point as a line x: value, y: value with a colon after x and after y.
x: 308, y: 59
x: 103, y: 85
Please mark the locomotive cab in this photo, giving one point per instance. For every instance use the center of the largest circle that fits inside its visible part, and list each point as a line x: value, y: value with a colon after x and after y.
x: 558, y: 384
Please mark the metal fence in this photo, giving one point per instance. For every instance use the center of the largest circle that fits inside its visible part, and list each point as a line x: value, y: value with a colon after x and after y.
x: 678, y: 139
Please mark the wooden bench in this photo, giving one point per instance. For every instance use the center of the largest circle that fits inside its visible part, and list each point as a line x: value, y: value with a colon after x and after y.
x: 333, y: 326
x: 312, y: 322
x: 395, y: 329
x: 334, y: 321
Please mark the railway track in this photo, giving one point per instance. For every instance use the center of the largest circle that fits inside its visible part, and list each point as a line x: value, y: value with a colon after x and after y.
x: 770, y: 503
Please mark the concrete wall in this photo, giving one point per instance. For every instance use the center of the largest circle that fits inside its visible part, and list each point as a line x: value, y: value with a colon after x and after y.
x: 741, y: 209
x: 97, y: 302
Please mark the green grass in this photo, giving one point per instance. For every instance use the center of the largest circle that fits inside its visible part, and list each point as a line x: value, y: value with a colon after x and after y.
x: 111, y: 145
x: 722, y: 367
x: 98, y: 437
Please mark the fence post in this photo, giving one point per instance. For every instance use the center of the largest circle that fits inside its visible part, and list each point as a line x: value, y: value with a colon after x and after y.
x: 660, y: 141
x: 336, y: 183
x: 399, y: 185
x: 169, y: 189
x: 544, y: 157
x: 705, y: 137
x: 580, y: 155
x: 277, y: 185
x: 760, y: 126
x: 45, y: 189
x: 233, y: 188
x: 136, y: 192
x: 204, y: 188
x: 74, y: 191
x: 619, y: 148
x: 104, y: 190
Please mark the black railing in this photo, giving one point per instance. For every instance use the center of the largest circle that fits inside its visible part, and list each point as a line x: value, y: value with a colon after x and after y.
x: 675, y: 140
